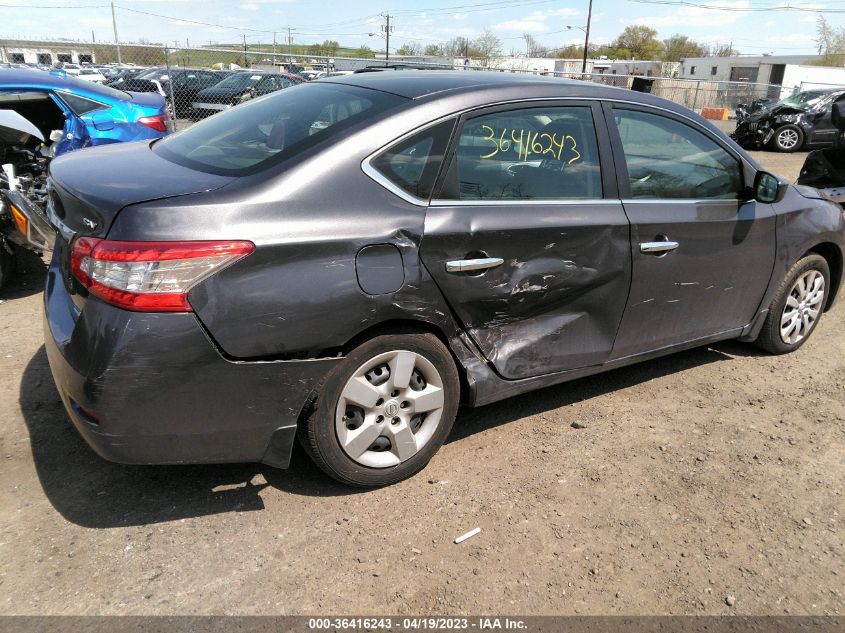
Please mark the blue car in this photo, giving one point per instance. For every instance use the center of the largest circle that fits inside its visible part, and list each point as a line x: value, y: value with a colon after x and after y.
x: 74, y: 113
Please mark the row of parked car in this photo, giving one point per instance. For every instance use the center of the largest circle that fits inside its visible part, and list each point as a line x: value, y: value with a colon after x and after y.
x: 196, y: 93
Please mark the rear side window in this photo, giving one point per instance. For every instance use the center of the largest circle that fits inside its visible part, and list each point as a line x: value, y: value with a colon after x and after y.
x: 668, y: 159
x: 81, y: 105
x: 541, y: 153
x: 412, y: 164
x: 271, y: 129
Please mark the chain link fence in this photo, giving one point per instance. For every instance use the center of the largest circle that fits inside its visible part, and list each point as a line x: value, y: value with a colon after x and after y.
x: 200, y: 81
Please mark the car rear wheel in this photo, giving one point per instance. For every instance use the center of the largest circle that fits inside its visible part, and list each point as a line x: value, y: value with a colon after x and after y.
x: 797, y: 306
x: 384, y: 411
x: 788, y: 138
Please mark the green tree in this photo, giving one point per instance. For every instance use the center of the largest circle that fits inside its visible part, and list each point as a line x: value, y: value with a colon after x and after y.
x: 831, y: 43
x: 638, y: 42
x: 363, y: 51
x: 330, y: 47
x: 678, y: 46
x: 433, y: 50
x: 408, y: 49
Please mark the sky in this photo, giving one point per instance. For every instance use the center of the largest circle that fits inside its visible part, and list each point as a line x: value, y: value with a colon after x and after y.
x: 752, y: 26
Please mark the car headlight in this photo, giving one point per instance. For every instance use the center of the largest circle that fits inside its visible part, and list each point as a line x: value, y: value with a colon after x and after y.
x: 788, y: 118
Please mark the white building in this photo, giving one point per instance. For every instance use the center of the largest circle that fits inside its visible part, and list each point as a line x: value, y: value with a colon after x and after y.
x: 34, y: 52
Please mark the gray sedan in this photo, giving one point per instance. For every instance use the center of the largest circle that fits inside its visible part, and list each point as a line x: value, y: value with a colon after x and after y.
x: 349, y: 260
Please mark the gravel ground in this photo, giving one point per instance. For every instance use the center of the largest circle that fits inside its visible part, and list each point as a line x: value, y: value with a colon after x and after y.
x: 707, y: 482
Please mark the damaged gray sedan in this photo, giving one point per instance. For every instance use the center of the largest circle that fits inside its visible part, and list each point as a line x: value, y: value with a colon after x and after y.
x: 348, y: 261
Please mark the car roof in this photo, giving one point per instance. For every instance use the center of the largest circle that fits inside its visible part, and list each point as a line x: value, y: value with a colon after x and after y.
x: 480, y: 87
x: 417, y: 84
x: 30, y: 79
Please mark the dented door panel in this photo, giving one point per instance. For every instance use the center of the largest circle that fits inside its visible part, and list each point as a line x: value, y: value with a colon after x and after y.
x: 556, y: 301
x: 712, y: 282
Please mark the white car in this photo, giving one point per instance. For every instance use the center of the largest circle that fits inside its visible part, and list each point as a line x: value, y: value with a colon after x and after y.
x: 70, y: 69
x: 91, y: 74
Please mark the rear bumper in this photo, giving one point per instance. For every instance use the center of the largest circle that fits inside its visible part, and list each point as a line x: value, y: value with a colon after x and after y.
x: 153, y: 389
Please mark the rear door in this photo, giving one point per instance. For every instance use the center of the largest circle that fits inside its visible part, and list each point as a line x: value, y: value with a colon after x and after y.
x: 702, y: 252
x: 76, y: 133
x: 527, y: 238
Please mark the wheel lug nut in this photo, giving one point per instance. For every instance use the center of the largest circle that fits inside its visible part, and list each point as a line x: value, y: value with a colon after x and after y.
x: 379, y: 402
x: 404, y: 404
x: 395, y: 421
x: 380, y: 419
x: 394, y: 393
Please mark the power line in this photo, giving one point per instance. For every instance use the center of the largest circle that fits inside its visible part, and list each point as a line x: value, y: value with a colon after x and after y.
x: 757, y: 9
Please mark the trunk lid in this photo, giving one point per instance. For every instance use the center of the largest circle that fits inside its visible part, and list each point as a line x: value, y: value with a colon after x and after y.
x: 90, y: 187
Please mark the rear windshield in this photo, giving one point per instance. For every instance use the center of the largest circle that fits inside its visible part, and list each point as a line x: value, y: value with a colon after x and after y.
x: 265, y: 131
x: 93, y: 88
x: 240, y: 80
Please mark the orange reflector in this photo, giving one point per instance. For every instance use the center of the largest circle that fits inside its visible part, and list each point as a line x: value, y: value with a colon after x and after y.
x: 20, y: 220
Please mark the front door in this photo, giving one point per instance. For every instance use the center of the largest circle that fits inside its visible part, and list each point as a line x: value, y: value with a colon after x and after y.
x: 527, y: 238
x: 823, y: 132
x: 702, y: 257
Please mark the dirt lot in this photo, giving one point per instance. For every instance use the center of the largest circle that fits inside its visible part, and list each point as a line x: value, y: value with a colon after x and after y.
x: 712, y: 473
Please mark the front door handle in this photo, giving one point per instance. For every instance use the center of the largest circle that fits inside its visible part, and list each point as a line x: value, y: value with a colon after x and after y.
x: 658, y: 248
x: 466, y: 265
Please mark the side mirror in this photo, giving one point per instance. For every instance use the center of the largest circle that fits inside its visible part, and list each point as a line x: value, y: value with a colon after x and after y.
x: 768, y: 188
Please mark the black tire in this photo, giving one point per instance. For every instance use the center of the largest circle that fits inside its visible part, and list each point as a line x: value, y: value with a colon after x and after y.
x: 788, y: 138
x: 7, y: 265
x: 770, y: 338
x: 318, y: 433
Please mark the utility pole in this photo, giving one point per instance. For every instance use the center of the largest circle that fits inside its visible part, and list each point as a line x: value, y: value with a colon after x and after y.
x: 290, y: 49
x: 274, y: 50
x: 246, y: 64
x: 587, y: 38
x: 116, y: 41
x: 387, y: 29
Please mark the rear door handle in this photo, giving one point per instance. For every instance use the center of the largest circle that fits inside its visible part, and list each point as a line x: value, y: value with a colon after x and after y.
x: 465, y: 265
x: 656, y: 248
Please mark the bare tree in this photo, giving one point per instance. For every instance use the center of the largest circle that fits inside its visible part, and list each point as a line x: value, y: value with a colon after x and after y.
x: 533, y: 47
x: 487, y: 45
x: 456, y: 47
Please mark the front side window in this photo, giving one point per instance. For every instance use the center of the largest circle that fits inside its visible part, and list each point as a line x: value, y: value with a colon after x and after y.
x: 274, y: 128
x: 544, y: 153
x: 412, y: 164
x: 668, y: 159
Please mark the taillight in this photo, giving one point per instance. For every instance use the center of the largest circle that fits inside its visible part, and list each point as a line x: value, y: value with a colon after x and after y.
x: 150, y: 276
x: 157, y: 122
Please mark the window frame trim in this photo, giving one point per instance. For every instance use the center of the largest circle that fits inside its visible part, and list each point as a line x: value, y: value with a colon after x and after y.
x: 621, y: 164
x: 385, y: 182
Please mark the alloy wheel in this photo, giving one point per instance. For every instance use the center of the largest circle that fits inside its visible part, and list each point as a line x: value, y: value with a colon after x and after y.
x: 389, y: 409
x: 788, y: 138
x: 803, y: 306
